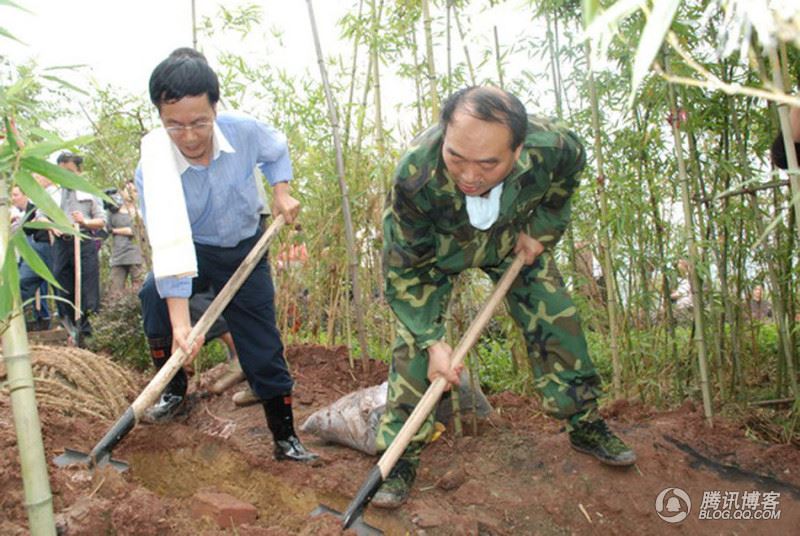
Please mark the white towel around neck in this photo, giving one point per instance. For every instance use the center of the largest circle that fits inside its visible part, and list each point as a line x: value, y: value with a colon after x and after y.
x: 484, y: 211
x: 168, y: 228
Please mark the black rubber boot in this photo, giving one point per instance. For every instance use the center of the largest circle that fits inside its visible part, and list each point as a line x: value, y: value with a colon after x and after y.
x: 281, y: 423
x: 175, y: 392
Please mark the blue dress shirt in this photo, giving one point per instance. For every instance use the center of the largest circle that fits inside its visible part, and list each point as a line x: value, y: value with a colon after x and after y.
x: 222, y: 199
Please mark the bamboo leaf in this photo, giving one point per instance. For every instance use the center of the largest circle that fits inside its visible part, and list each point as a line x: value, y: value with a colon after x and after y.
x: 33, y: 259
x: 7, y: 34
x: 11, y: 134
x: 590, y: 8
x: 658, y: 23
x: 61, y: 176
x: 10, y: 286
x: 42, y: 199
x: 768, y: 230
x: 43, y: 225
x: 9, y: 3
x: 775, y: 221
x: 64, y: 83
x: 49, y: 225
x: 607, y: 21
x: 6, y: 152
x: 66, y: 67
x: 49, y: 146
x: 735, y: 187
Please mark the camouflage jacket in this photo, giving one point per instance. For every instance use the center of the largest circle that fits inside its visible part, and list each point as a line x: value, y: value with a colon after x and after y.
x: 427, y: 236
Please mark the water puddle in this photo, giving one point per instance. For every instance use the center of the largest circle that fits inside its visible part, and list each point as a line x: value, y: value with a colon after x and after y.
x: 180, y: 473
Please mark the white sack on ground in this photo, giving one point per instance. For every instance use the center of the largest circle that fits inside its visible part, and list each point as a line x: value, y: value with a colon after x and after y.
x: 353, y: 420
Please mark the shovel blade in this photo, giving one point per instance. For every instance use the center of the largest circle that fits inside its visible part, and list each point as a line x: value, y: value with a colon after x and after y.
x: 76, y: 457
x: 358, y: 524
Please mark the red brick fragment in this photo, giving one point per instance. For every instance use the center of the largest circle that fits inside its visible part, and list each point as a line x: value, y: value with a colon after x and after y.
x: 226, y: 510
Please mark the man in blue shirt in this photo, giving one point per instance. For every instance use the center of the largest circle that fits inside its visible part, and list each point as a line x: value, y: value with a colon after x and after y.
x: 216, y: 156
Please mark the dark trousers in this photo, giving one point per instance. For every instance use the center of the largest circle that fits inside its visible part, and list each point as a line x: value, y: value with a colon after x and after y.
x: 64, y: 272
x: 250, y: 314
x: 29, y: 280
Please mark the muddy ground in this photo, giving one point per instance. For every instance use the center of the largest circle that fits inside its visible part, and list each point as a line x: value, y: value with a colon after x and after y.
x: 516, y: 476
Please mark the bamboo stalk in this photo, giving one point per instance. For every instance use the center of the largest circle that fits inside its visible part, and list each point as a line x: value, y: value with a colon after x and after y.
x: 775, y: 402
x: 356, y: 40
x: 553, y: 61
x: 707, y: 225
x: 786, y: 130
x: 773, y: 262
x: 608, y: 268
x: 376, y: 84
x: 497, y: 56
x: 727, y: 301
x: 775, y: 275
x: 739, y: 268
x: 777, y: 301
x: 558, y: 63
x: 694, y: 282
x: 454, y: 322
x: 434, y: 93
x: 419, y: 100
x: 742, y: 157
x: 779, y: 309
x: 362, y: 110
x: 360, y: 118
x: 333, y: 307
x: 466, y: 48
x: 194, y: 27
x: 448, y: 14
x: 769, y: 185
x: 16, y: 357
x: 348, y: 222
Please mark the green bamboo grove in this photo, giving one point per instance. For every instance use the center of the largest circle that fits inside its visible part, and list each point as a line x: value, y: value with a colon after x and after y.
x: 680, y: 194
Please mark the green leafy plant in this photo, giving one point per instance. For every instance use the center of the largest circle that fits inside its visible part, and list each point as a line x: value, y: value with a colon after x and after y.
x: 496, y: 368
x: 117, y: 332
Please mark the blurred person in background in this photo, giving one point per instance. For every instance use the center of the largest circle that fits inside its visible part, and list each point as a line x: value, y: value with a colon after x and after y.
x: 86, y: 212
x: 126, y: 254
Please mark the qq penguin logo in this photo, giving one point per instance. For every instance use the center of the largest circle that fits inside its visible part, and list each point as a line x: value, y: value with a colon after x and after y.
x: 673, y: 505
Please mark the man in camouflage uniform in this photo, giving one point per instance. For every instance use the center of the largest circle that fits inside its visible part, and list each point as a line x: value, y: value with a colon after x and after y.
x: 485, y: 184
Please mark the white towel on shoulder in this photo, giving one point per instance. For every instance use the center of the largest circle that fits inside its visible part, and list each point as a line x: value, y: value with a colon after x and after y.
x: 168, y: 227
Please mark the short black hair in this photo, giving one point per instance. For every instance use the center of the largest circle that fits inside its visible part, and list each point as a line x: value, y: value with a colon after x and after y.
x: 185, y: 73
x: 490, y: 104
x: 67, y: 156
x: 187, y: 52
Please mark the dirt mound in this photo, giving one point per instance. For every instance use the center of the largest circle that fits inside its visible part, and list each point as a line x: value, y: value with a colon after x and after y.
x: 515, y: 475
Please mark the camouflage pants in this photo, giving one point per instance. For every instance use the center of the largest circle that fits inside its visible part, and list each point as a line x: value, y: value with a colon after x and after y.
x: 563, y: 372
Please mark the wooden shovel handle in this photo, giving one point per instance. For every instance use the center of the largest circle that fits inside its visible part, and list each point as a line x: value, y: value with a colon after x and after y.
x: 435, y: 390
x: 176, y: 360
x: 77, y: 269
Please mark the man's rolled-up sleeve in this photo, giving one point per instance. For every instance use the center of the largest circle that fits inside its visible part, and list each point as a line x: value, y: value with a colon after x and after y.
x: 174, y: 287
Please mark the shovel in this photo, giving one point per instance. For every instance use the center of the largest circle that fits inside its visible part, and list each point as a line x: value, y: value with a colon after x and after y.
x: 352, y: 517
x: 101, y: 453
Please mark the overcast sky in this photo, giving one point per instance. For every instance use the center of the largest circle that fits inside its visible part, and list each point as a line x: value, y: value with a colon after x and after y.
x: 119, y: 43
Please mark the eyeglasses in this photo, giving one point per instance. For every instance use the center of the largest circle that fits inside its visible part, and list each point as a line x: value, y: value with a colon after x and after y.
x: 180, y: 129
